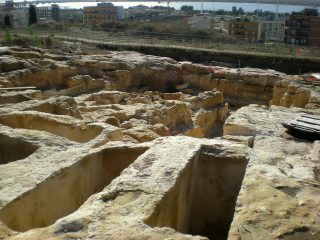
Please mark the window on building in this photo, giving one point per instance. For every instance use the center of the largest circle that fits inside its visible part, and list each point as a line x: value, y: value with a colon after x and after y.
x: 305, y: 23
x: 303, y: 41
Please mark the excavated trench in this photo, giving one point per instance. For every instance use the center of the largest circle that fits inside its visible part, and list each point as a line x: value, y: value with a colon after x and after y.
x: 202, y: 201
x: 72, y: 132
x: 55, y: 109
x: 13, y: 149
x: 67, y: 190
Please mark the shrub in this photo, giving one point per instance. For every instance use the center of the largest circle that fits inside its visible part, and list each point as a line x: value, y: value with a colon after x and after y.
x: 22, y: 41
x: 48, y: 41
x: 36, y: 40
x: 7, y: 36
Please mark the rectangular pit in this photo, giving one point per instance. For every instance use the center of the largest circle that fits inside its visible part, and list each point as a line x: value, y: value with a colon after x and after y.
x: 13, y: 149
x: 52, y: 125
x: 202, y: 201
x: 65, y: 191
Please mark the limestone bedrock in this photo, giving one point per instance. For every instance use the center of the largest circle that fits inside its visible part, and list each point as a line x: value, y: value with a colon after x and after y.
x: 156, y: 192
x: 121, y: 145
x: 278, y: 198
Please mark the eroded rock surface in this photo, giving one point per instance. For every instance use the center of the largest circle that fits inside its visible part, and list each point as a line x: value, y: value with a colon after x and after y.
x: 155, y: 193
x: 278, y: 196
x: 117, y: 146
x: 72, y: 75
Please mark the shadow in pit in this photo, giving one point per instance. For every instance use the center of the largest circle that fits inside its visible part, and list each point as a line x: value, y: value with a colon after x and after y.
x: 68, y: 189
x: 202, y: 201
x: 14, y: 149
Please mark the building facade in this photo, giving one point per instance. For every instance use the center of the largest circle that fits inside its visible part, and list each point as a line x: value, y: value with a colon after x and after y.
x: 13, y: 17
x: 303, y: 28
x: 245, y: 29
x: 20, y: 17
x: 120, y: 12
x: 44, y: 13
x: 71, y: 15
x: 55, y: 12
x: 272, y: 31
x: 102, y: 13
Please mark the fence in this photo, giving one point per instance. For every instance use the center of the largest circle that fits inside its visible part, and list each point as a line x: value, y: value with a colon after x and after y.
x: 105, y: 36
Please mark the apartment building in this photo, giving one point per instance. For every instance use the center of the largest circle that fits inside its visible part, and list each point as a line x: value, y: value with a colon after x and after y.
x: 13, y: 17
x: 245, y: 29
x: 303, y: 28
x: 20, y: 17
x: 55, y: 12
x: 103, y: 12
x: 272, y: 30
x: 71, y: 15
x: 44, y: 13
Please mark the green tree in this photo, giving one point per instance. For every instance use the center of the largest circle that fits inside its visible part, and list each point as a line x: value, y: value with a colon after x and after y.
x: 234, y: 10
x: 220, y: 12
x: 30, y: 31
x: 187, y: 8
x: 32, y: 14
x: 34, y: 36
x: 7, y: 36
x: 36, y: 40
x: 240, y: 11
x: 257, y: 12
x: 49, y: 41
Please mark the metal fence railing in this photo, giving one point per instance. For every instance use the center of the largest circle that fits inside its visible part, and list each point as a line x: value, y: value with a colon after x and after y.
x: 105, y: 36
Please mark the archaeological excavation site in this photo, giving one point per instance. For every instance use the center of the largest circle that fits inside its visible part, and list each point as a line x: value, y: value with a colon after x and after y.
x: 121, y: 145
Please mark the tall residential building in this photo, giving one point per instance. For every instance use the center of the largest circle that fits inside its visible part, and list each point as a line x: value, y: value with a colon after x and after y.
x: 245, y: 29
x: 103, y: 12
x: 272, y: 30
x: 303, y: 28
x: 55, y: 12
x: 20, y: 17
x: 120, y: 12
x: 44, y: 13
x: 71, y: 15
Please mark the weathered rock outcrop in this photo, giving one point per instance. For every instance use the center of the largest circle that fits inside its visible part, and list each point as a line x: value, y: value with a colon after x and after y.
x: 142, y: 202
x: 287, y: 94
x: 87, y: 152
x: 278, y: 196
x: 129, y: 71
x: 240, y: 86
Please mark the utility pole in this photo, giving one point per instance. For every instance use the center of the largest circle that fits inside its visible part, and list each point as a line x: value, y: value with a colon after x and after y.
x: 202, y: 6
x: 168, y: 3
x: 213, y: 7
x: 277, y: 11
x: 258, y: 6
